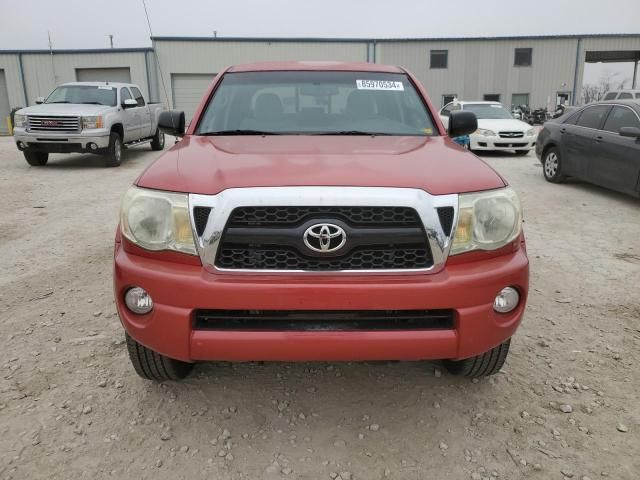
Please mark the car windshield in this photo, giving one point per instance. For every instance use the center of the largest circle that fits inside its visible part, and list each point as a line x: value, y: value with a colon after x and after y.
x: 84, y: 94
x: 316, y: 103
x: 488, y: 111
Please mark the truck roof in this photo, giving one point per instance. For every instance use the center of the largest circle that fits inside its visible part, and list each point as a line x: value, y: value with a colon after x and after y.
x: 100, y: 84
x: 315, y: 66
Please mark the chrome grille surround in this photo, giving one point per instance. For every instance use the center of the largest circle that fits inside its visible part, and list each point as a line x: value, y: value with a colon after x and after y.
x: 226, y: 201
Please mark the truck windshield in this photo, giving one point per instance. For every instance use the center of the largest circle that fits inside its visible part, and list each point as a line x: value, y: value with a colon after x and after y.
x: 488, y: 111
x: 316, y: 103
x: 79, y: 94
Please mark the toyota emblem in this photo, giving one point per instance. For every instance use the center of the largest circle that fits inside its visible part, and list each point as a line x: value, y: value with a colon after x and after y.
x: 325, y: 237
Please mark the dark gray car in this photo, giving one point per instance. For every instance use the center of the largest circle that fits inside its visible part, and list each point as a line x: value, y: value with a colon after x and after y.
x: 598, y: 143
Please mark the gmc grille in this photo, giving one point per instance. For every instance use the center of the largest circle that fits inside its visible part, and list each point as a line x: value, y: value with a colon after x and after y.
x: 60, y: 124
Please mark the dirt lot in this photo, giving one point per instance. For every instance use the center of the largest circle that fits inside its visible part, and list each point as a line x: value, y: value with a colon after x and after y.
x: 565, y: 406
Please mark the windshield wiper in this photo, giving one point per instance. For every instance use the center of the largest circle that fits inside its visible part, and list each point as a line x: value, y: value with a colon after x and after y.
x: 61, y: 101
x: 238, y: 132
x: 354, y: 132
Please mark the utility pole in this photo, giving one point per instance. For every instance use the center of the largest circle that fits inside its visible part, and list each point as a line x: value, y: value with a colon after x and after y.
x: 53, y: 67
x: 111, y: 39
x: 215, y: 34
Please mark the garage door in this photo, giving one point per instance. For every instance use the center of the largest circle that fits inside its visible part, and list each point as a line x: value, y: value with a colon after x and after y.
x: 103, y: 74
x: 187, y: 91
x: 4, y: 105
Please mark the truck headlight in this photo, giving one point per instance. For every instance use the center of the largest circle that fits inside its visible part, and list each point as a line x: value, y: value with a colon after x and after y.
x: 157, y: 220
x: 531, y: 132
x: 485, y: 133
x: 20, y: 120
x: 487, y: 220
x: 91, y: 122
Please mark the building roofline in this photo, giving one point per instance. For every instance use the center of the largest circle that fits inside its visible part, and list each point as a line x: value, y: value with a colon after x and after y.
x: 79, y: 50
x: 361, y: 39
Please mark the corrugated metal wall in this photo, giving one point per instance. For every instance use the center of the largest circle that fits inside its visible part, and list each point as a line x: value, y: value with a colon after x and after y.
x: 483, y: 67
x: 44, y: 71
x: 180, y: 57
x: 10, y: 64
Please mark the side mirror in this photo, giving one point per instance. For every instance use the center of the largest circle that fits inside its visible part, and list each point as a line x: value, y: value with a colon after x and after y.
x: 171, y: 122
x: 129, y: 103
x: 39, y: 100
x: 633, y: 132
x: 462, y: 123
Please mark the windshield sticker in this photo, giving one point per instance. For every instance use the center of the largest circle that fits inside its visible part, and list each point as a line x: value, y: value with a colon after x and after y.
x: 428, y: 131
x: 105, y: 88
x: 495, y: 106
x: 379, y: 85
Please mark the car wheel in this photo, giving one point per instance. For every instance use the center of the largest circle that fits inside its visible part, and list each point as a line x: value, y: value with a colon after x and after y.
x: 36, y: 159
x: 151, y: 365
x: 114, y: 151
x: 552, y: 166
x: 482, y: 365
x: 157, y: 143
x: 522, y: 152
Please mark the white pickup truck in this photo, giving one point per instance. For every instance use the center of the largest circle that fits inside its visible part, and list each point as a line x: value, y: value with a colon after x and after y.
x: 88, y: 117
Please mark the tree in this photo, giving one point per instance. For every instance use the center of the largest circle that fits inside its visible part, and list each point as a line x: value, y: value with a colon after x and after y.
x: 594, y: 92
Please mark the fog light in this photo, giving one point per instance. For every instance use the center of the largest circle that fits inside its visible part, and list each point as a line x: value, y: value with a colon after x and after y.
x: 506, y: 300
x: 138, y: 300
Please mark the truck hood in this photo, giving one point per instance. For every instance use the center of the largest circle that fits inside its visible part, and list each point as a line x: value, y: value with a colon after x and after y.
x: 503, y: 125
x: 209, y: 165
x: 73, y: 109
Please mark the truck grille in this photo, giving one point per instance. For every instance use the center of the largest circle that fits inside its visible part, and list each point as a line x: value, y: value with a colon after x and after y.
x: 53, y: 124
x: 330, y: 320
x: 271, y: 238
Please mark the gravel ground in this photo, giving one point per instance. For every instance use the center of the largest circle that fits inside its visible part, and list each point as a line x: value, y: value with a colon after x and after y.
x: 71, y: 406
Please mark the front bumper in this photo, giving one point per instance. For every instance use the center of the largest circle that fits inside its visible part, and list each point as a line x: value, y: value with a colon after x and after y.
x: 179, y: 289
x: 480, y: 142
x: 62, y: 142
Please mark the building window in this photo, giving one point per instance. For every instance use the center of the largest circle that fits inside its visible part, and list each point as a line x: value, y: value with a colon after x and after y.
x: 491, y: 97
x: 439, y: 58
x: 523, y: 57
x: 518, y: 99
x: 448, y: 98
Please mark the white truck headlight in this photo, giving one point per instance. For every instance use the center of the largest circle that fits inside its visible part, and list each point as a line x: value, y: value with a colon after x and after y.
x: 531, y: 132
x: 157, y: 220
x: 90, y: 123
x: 487, y: 220
x: 20, y: 120
x: 485, y: 133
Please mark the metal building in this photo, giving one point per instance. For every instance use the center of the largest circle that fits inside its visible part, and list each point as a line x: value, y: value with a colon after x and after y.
x: 538, y: 71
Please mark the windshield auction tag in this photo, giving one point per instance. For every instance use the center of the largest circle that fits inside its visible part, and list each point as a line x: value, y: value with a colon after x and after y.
x: 105, y: 88
x: 379, y: 85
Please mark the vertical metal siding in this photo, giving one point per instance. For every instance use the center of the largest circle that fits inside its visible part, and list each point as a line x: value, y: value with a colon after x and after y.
x: 9, y: 64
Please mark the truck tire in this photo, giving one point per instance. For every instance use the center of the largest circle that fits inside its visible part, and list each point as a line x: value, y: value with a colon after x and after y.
x: 154, y: 366
x: 482, y: 365
x: 552, y: 166
x: 157, y: 142
x: 113, y: 156
x: 36, y: 159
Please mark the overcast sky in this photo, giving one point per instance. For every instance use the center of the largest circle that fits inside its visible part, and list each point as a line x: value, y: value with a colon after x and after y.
x: 87, y: 23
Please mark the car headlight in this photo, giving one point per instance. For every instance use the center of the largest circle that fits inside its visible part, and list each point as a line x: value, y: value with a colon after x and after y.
x: 485, y: 133
x: 531, y: 132
x: 91, y: 122
x: 487, y: 220
x: 157, y: 220
x: 20, y: 120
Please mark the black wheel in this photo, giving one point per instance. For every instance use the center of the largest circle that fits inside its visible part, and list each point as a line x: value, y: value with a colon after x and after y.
x: 522, y: 152
x: 552, y: 166
x: 157, y: 143
x: 36, y: 159
x: 154, y: 366
x: 114, y: 152
x: 482, y: 365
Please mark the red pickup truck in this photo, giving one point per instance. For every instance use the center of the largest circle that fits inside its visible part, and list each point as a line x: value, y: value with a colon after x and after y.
x: 319, y: 211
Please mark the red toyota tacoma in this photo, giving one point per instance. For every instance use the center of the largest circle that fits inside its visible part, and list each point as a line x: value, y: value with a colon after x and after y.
x: 319, y: 211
